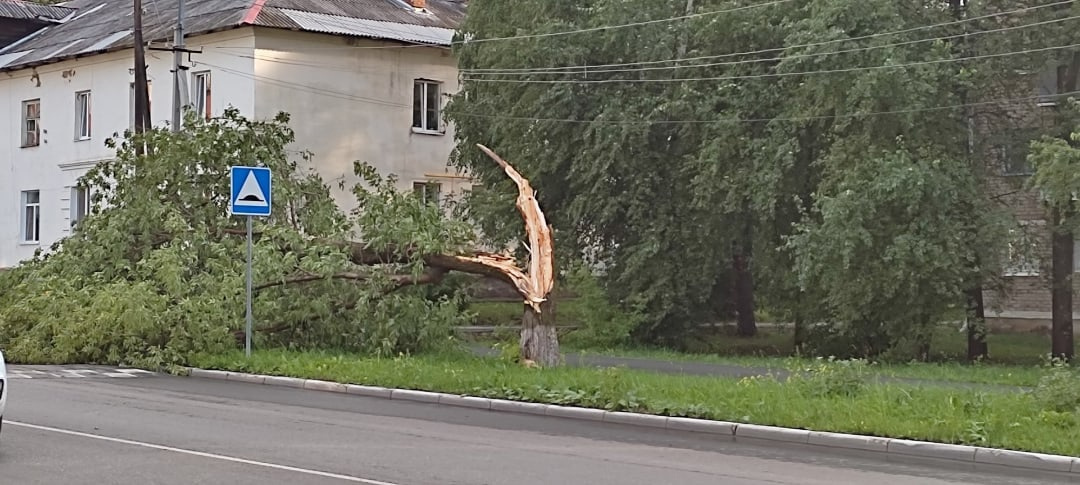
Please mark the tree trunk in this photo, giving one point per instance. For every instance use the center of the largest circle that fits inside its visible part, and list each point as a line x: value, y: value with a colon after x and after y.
x: 539, y: 340
x: 976, y: 326
x: 744, y: 284
x: 1061, y: 290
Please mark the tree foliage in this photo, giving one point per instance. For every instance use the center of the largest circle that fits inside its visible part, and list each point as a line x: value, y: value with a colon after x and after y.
x: 693, y: 140
x: 890, y: 251
x: 156, y: 272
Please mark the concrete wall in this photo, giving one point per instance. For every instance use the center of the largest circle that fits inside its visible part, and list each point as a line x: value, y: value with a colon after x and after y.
x: 55, y: 165
x: 352, y: 99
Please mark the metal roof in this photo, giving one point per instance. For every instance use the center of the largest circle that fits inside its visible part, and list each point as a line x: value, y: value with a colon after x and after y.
x: 336, y: 24
x: 104, y: 25
x: 20, y: 10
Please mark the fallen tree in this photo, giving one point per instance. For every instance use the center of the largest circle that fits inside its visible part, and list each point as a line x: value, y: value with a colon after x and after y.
x: 154, y: 275
x: 539, y: 340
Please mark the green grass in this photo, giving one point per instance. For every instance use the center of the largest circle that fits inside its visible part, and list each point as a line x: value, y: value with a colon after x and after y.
x: 995, y: 419
x: 994, y: 374
x: 1015, y: 359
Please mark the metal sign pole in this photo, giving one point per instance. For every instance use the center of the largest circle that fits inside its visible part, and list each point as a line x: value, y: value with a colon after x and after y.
x: 247, y: 333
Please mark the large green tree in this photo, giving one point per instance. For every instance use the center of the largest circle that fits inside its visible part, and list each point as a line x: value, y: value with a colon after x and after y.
x: 686, y: 153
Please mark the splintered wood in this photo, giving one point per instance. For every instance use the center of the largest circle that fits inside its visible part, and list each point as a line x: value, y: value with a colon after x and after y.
x: 536, y: 285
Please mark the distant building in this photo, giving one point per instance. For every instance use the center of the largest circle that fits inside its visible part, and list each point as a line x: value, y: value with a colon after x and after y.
x: 1011, y: 128
x: 362, y: 79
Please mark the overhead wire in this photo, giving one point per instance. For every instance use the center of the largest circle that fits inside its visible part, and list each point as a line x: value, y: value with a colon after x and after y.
x: 763, y: 120
x: 780, y: 49
x: 773, y: 74
x: 302, y: 87
x: 592, y: 70
x: 622, y: 26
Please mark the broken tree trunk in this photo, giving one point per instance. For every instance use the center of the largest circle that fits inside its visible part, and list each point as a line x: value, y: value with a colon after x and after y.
x: 539, y: 340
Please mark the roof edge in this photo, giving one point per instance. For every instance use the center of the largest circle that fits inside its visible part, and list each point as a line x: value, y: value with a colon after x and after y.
x: 253, y: 12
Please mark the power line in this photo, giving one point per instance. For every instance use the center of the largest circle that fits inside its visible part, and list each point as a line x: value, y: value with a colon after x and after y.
x: 762, y: 120
x: 770, y: 75
x: 634, y: 24
x: 594, y: 70
x: 310, y: 89
x: 780, y: 49
x: 334, y: 66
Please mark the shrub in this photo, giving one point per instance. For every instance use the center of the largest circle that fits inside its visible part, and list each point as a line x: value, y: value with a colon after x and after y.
x: 831, y: 377
x: 602, y: 324
x: 1059, y: 389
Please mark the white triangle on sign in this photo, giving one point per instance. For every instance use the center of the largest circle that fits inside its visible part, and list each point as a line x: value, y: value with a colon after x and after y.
x: 250, y: 193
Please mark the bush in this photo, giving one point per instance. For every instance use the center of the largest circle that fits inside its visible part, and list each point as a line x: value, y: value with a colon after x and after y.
x: 831, y: 377
x: 1059, y: 390
x: 120, y: 323
x: 601, y: 323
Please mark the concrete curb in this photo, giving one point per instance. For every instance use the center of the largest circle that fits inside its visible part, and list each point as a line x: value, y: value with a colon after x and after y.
x: 885, y: 446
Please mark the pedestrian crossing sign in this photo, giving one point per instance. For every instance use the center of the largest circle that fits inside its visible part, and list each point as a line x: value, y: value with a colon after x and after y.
x: 251, y: 194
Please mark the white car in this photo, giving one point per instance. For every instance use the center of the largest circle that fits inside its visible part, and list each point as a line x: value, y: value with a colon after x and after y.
x: 3, y: 387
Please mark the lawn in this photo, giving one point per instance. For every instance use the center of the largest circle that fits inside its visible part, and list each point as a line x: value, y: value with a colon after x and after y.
x: 834, y: 398
x: 1015, y: 359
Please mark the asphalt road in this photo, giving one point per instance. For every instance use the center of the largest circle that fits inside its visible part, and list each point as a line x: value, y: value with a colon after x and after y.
x: 173, y: 430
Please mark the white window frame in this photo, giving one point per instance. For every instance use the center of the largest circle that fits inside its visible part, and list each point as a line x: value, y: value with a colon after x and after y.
x: 30, y: 210
x: 421, y: 189
x: 201, y: 101
x: 83, y: 116
x: 1019, y: 264
x: 423, y: 125
x: 131, y: 102
x: 31, y: 123
x: 1076, y: 255
x: 80, y: 205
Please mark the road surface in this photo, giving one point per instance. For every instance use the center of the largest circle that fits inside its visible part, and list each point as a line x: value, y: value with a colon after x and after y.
x: 107, y: 428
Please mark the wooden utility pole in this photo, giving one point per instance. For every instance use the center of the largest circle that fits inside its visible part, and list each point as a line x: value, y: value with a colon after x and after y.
x: 142, y: 98
x: 179, y: 87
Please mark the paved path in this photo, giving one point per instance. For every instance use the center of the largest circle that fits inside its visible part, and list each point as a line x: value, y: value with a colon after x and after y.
x: 726, y: 370
x: 73, y: 372
x: 173, y: 430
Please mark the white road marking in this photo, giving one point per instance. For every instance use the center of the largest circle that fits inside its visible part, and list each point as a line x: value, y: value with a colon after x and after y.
x: 306, y: 471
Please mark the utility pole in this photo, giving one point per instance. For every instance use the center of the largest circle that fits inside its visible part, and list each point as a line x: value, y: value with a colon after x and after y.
x: 142, y: 101
x: 178, y: 58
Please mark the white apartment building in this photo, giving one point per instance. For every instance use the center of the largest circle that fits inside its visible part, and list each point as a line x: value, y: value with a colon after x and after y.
x: 362, y: 80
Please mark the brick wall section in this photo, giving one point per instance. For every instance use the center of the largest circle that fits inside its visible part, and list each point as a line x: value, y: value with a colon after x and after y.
x: 1011, y: 127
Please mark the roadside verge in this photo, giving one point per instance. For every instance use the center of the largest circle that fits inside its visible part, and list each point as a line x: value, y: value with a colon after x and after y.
x: 886, y: 446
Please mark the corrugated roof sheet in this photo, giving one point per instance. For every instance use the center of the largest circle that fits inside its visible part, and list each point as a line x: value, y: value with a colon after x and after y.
x: 18, y: 9
x: 6, y: 59
x: 336, y: 24
x: 109, y: 25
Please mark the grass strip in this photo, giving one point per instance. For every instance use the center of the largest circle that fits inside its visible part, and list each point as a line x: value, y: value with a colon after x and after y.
x: 995, y: 374
x: 834, y: 398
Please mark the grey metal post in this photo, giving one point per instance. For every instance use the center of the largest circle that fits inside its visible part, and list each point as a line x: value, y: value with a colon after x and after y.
x: 178, y: 59
x: 247, y: 333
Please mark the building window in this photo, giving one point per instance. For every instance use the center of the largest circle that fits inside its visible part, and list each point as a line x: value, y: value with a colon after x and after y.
x: 31, y: 131
x: 1052, y: 84
x: 31, y: 216
x: 82, y: 115
x: 1022, y: 254
x: 200, y: 95
x: 1013, y: 159
x: 80, y: 204
x: 1076, y: 256
x: 428, y: 192
x: 426, y: 106
x: 131, y: 100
